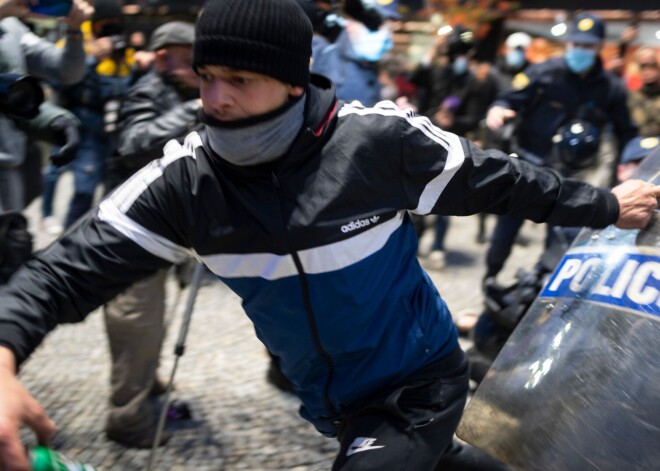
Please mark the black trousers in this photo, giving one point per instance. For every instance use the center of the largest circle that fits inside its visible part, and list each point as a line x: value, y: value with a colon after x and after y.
x: 411, y: 427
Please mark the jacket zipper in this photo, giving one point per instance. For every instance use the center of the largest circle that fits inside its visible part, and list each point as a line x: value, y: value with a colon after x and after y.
x: 309, y: 311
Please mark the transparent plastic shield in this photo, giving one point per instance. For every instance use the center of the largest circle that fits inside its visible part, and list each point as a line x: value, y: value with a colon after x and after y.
x: 577, y: 385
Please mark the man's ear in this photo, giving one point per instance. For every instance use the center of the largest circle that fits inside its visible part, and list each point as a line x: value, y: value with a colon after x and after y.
x: 296, y: 91
x: 160, y: 61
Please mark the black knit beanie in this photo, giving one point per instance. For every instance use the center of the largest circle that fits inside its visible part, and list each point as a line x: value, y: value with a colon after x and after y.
x: 270, y: 37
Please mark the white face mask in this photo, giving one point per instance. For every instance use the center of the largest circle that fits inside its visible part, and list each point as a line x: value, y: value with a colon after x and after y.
x: 460, y: 65
x: 370, y: 45
x: 579, y: 59
x: 515, y: 58
x: 257, y: 142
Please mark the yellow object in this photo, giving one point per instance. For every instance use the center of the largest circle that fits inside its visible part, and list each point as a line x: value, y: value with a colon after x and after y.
x: 585, y: 24
x: 520, y: 81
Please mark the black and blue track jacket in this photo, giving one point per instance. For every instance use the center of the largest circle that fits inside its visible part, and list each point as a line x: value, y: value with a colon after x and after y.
x: 318, y: 244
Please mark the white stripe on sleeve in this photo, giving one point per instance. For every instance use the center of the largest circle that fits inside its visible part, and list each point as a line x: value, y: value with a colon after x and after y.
x: 449, y: 141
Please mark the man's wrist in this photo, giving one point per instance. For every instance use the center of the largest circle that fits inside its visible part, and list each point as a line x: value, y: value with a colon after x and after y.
x: 7, y: 359
x: 73, y: 33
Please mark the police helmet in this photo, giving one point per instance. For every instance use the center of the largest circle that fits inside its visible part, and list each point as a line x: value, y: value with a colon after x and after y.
x: 576, y: 144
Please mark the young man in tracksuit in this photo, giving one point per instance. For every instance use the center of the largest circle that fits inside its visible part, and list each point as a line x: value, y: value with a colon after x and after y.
x: 299, y: 204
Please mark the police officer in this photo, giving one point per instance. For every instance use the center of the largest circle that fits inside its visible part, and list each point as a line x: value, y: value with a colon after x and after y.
x: 550, y: 94
x: 513, y: 59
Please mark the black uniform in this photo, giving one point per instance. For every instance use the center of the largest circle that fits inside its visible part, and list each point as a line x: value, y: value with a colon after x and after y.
x: 546, y: 96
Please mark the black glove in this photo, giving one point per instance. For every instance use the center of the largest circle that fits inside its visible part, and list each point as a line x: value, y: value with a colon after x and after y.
x: 65, y: 132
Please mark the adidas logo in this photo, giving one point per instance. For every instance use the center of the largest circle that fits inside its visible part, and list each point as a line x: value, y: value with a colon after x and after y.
x: 359, y: 223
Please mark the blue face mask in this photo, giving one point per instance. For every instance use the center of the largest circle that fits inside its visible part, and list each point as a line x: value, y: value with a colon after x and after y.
x: 515, y: 58
x: 460, y: 66
x: 372, y: 45
x: 579, y: 60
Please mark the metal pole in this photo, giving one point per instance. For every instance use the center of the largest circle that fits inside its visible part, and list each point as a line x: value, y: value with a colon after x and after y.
x: 178, y: 353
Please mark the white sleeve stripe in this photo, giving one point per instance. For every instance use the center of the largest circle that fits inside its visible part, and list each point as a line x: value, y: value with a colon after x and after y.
x: 434, y: 188
x: 263, y: 265
x: 449, y: 141
x: 127, y: 193
x: 192, y: 142
x: 148, y: 240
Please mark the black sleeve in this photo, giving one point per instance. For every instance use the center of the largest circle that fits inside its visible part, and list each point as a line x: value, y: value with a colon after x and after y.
x: 138, y: 229
x: 443, y: 173
x: 85, y: 268
x: 491, y: 181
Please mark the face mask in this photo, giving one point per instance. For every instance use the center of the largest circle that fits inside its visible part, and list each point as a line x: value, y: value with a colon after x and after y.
x: 460, y: 66
x: 372, y: 45
x: 256, y: 142
x: 579, y: 60
x: 515, y: 58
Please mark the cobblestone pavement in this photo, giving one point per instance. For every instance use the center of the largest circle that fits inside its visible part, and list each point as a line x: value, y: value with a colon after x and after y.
x: 240, y: 422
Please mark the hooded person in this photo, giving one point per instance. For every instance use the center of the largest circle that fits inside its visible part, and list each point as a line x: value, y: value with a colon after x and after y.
x: 300, y: 204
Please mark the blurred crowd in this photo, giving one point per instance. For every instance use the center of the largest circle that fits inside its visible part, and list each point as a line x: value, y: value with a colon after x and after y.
x: 114, y: 96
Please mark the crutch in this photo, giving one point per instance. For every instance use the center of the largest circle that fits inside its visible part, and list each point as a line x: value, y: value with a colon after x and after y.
x: 178, y: 353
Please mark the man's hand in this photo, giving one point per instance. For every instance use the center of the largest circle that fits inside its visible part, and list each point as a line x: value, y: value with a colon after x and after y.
x: 444, y: 118
x: 102, y: 48
x: 17, y: 408
x: 65, y: 130
x: 497, y: 116
x: 80, y: 12
x: 637, y: 201
x: 144, y: 59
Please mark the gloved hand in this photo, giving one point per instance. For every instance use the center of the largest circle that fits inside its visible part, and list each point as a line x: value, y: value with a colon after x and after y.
x: 66, y: 133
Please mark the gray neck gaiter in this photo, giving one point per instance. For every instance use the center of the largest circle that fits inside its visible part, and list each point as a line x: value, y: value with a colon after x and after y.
x: 260, y: 142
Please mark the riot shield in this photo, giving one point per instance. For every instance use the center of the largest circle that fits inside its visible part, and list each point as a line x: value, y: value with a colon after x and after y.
x: 577, y: 385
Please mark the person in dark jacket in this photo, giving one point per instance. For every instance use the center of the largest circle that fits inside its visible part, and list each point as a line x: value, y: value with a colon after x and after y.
x: 299, y: 203
x: 23, y: 52
x: 513, y: 59
x: 510, y: 63
x: 94, y: 101
x: 552, y: 94
x: 456, y: 99
x: 162, y: 105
